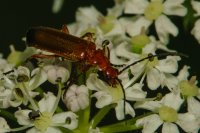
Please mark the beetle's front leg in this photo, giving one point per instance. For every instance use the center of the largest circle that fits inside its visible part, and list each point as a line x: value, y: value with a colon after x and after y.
x: 65, y: 29
x: 88, y: 36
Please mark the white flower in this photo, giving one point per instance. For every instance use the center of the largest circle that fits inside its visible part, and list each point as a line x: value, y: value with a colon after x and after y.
x: 158, y: 72
x: 187, y: 88
x: 46, y: 121
x: 4, y: 65
x: 195, y: 31
x: 91, y: 20
x: 190, y: 121
x: 196, y: 6
x: 167, y: 114
x: 18, y: 86
x: 55, y: 73
x: 154, y: 10
x: 107, y: 95
x: 76, y: 98
x: 4, y: 127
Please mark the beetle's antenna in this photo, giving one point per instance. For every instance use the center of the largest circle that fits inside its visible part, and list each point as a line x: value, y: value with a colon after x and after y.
x: 124, y: 95
x: 151, y: 56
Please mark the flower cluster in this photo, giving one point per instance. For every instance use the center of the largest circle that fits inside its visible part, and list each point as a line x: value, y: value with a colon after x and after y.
x: 152, y: 93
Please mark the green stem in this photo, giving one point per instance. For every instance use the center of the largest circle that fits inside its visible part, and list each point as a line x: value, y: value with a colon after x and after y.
x: 84, y: 116
x: 128, y: 125
x: 20, y: 128
x: 25, y: 91
x: 119, y: 129
x: 100, y: 115
x: 58, y: 97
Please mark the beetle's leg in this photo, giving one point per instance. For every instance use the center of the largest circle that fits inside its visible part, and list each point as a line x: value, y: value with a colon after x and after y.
x: 106, y: 50
x: 65, y: 29
x: 89, y: 36
x: 117, y: 65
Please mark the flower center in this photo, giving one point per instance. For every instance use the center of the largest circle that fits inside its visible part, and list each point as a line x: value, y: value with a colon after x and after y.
x: 138, y: 42
x: 107, y: 24
x: 153, y: 10
x: 117, y: 93
x: 43, y: 122
x: 152, y: 62
x: 188, y: 89
x: 168, y: 114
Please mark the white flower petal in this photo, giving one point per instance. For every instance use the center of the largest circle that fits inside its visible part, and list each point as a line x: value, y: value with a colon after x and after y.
x: 23, y: 71
x: 47, y: 102
x: 116, y: 10
x: 169, y: 80
x: 195, y: 31
x: 135, y: 6
x: 149, y: 105
x: 55, y: 72
x: 122, y: 51
x: 93, y: 83
x: 172, y: 100
x: 114, y: 59
x: 183, y: 73
x: 94, y: 130
x: 49, y: 130
x: 61, y: 118
x: 169, y: 128
x: 39, y: 77
x: 149, y: 123
x: 4, y: 127
x: 33, y: 130
x: 72, y: 104
x: 103, y: 99
x: 129, y: 110
x: 62, y: 73
x: 88, y: 15
x: 193, y: 106
x: 5, y: 98
x: 174, y: 7
x: 15, y: 103
x: 135, y: 92
x: 120, y: 110
x: 168, y: 65
x: 23, y: 117
x: 149, y: 48
x: 188, y: 122
x: 117, y: 30
x: 83, y: 101
x: 164, y: 27
x: 134, y: 26
x: 53, y: 130
x: 196, y: 7
x: 76, y: 97
x: 153, y: 79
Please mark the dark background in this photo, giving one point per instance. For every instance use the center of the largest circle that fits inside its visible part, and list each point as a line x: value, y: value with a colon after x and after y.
x: 18, y: 15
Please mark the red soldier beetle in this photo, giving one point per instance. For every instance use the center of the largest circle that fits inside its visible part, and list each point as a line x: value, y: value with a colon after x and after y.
x: 77, y: 49
x: 72, y: 48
